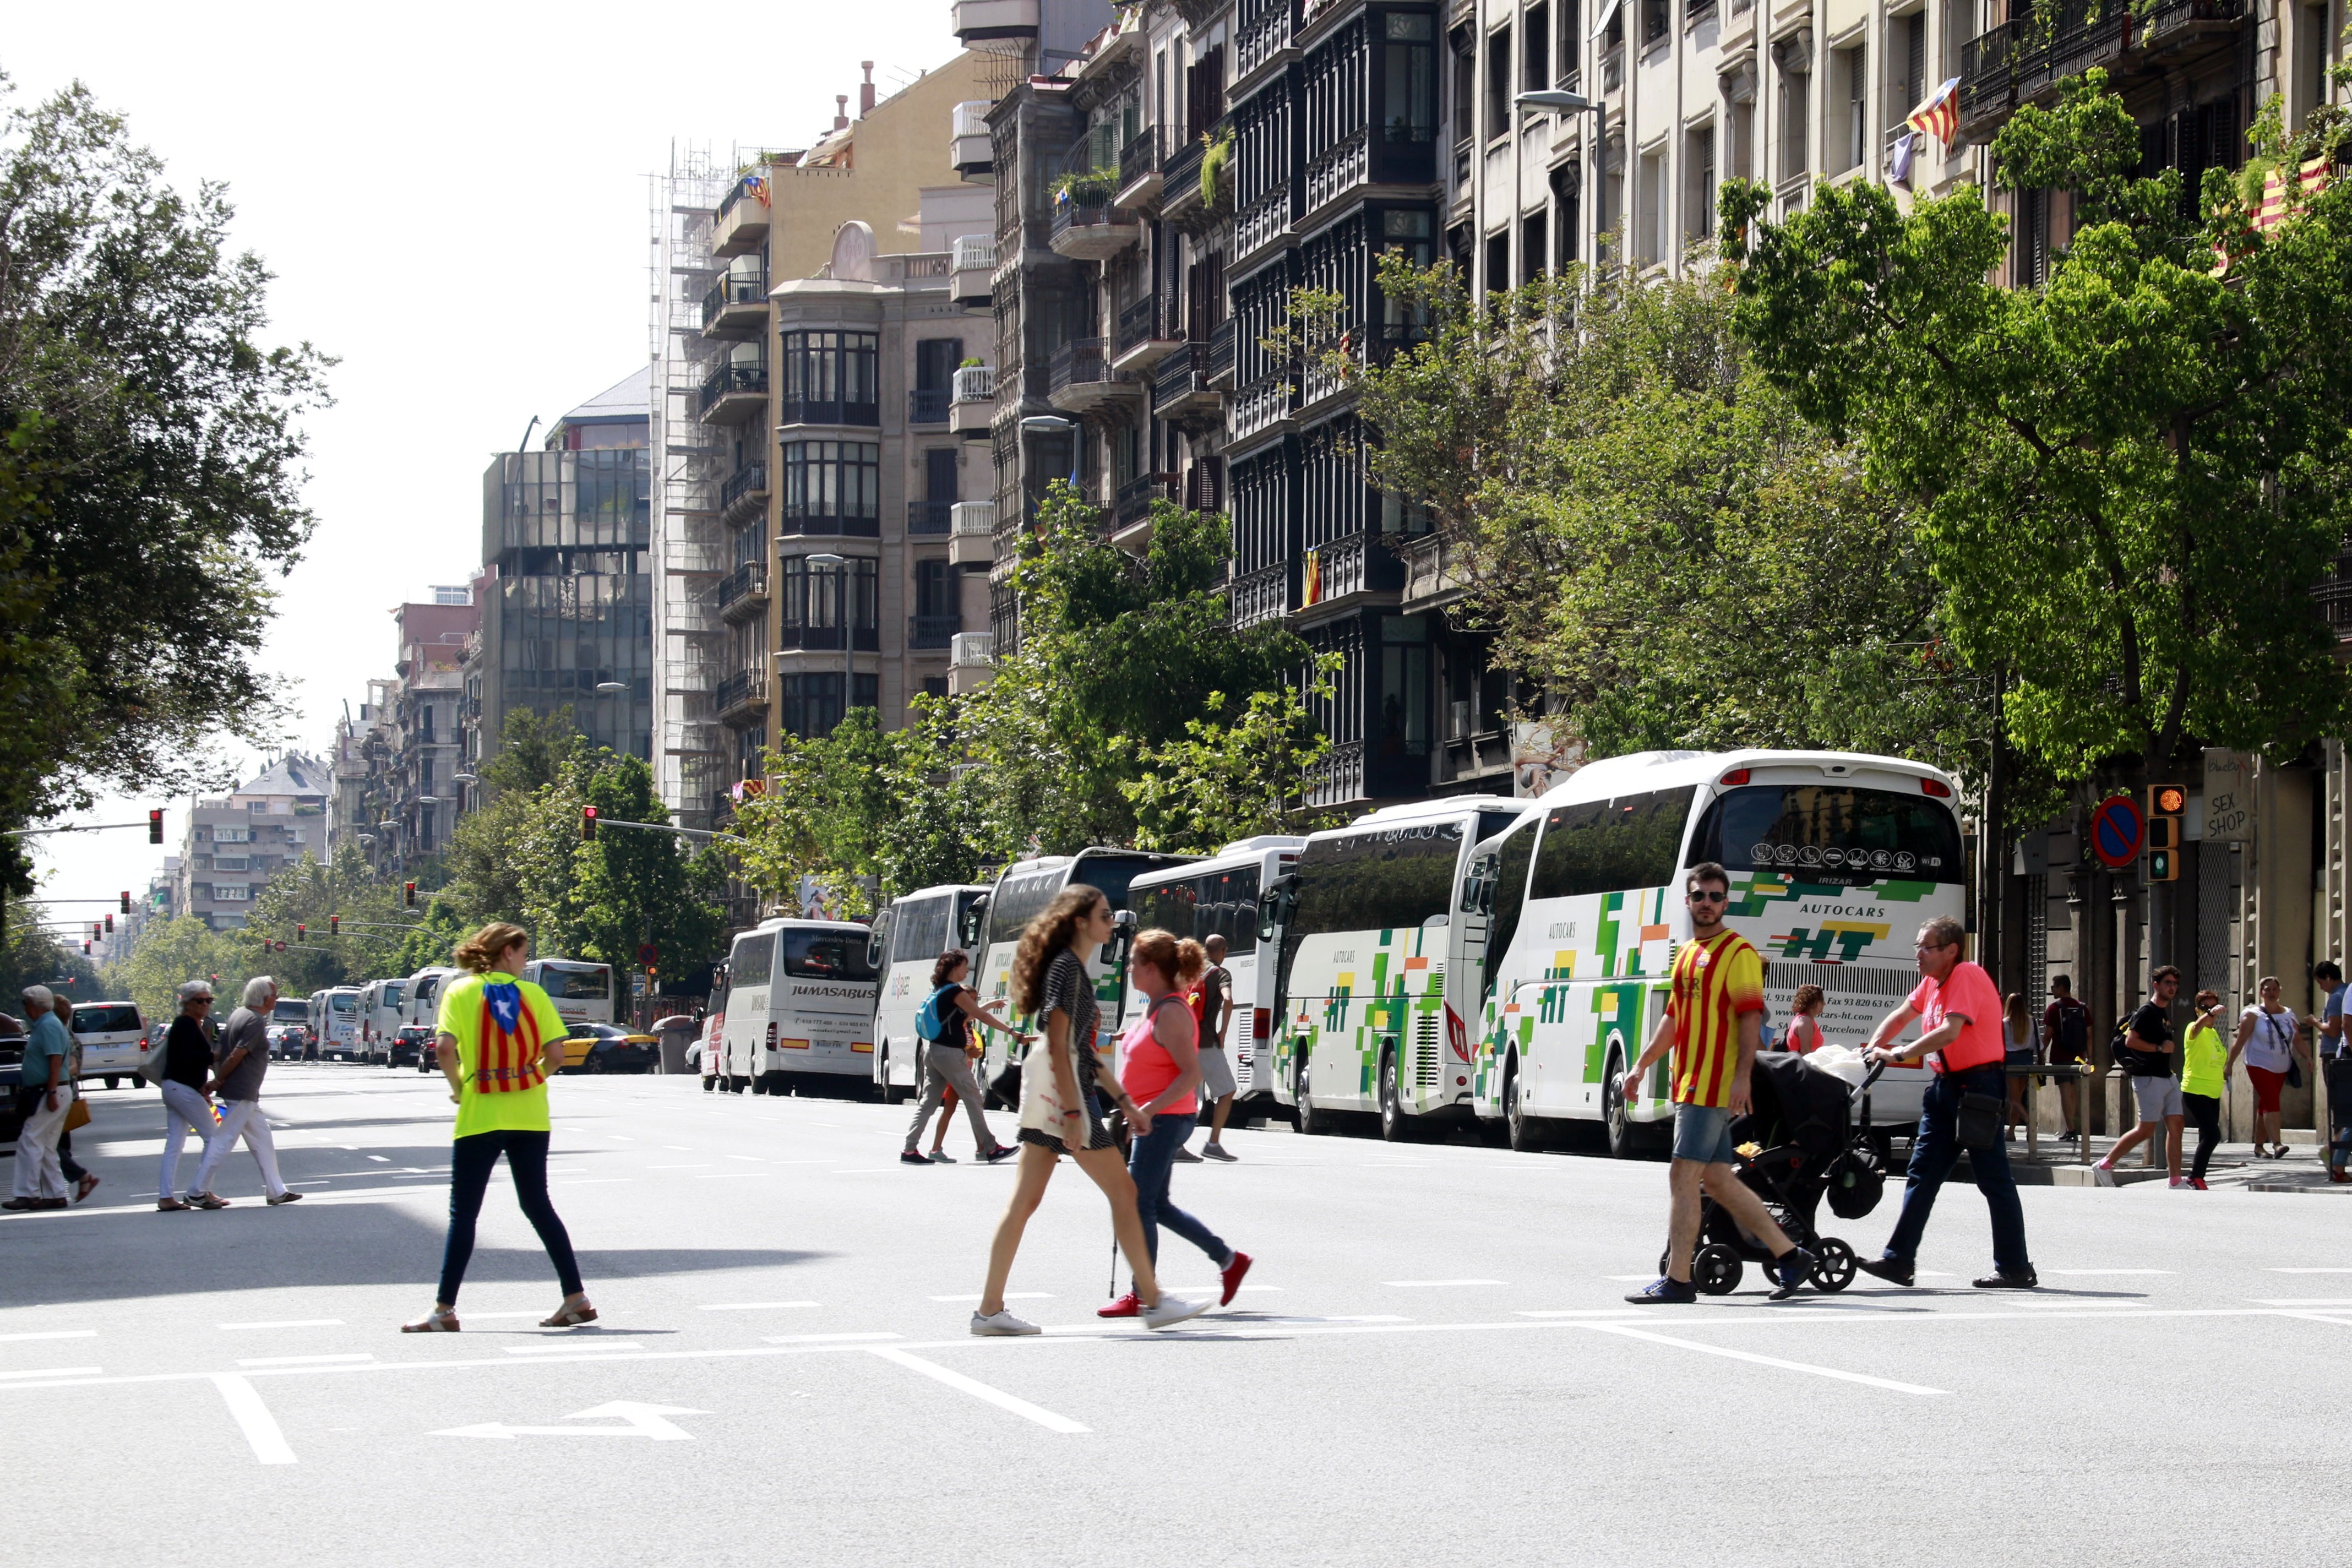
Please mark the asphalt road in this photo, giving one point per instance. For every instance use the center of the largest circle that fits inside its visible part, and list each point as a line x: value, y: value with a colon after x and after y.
x: 1431, y: 1365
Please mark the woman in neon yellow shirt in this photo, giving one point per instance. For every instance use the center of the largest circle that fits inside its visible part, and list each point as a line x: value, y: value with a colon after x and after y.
x: 499, y: 1040
x: 2204, y: 1070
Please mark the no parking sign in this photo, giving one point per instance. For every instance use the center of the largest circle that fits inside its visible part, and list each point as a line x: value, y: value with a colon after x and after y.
x: 2117, y: 831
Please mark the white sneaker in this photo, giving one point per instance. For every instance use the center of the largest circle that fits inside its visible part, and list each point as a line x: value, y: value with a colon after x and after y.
x: 1001, y: 1325
x: 1173, y: 1309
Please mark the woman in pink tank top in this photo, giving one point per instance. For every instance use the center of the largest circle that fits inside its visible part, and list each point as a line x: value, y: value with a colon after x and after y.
x: 1159, y: 1069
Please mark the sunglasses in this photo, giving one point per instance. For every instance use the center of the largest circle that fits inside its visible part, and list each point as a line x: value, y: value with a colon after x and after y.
x: 1705, y: 898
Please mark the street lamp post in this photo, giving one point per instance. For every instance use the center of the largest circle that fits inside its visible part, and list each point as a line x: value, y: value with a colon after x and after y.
x: 1559, y: 100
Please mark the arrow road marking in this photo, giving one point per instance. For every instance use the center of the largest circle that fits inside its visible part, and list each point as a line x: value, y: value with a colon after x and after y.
x: 642, y: 1421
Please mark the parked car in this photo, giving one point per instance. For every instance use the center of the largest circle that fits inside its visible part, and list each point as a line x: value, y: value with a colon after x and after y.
x: 113, y: 1041
x: 606, y: 1047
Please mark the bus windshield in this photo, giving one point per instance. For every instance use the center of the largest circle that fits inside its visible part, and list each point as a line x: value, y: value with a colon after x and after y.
x: 576, y: 982
x: 1839, y: 835
x: 825, y: 954
x: 290, y: 1012
x: 389, y: 994
x: 343, y: 1001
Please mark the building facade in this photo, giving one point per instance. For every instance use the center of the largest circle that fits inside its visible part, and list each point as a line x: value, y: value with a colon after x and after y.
x: 235, y: 843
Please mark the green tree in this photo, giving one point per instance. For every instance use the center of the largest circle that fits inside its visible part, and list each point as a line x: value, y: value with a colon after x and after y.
x: 151, y: 465
x: 304, y: 895
x: 533, y: 751
x: 629, y: 886
x: 1225, y: 782
x: 2127, y: 480
x: 170, y: 953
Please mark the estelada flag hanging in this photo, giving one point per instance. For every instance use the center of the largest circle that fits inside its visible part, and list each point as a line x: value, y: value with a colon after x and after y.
x: 1940, y: 116
x: 1314, y: 578
x: 506, y: 1057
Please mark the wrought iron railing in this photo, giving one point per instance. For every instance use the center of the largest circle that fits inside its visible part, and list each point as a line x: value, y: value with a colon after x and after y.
x: 751, y: 479
x: 733, y: 378
x: 930, y: 517
x: 732, y: 290
x: 747, y: 580
x: 928, y: 405
x: 932, y: 631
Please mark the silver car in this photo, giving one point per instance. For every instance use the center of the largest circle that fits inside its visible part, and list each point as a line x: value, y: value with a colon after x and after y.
x: 112, y: 1041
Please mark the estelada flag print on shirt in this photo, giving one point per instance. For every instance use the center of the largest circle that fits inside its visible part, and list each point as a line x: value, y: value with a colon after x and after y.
x: 1714, y: 982
x: 506, y: 1057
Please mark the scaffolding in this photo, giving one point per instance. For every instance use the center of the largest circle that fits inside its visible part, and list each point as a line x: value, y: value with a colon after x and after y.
x: 688, y: 542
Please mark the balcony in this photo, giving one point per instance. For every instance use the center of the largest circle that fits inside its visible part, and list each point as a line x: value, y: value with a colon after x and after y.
x: 1255, y: 597
x: 1221, y: 355
x: 743, y: 695
x: 972, y: 539
x: 1139, y: 168
x: 932, y: 631
x: 1145, y: 336
x: 736, y: 307
x: 1339, y: 778
x: 742, y: 592
x: 1265, y: 44
x: 745, y: 492
x: 1080, y: 378
x: 1348, y: 574
x: 1263, y: 222
x: 929, y: 519
x: 733, y: 393
x: 1337, y: 170
x: 744, y: 214
x: 1432, y: 573
x: 828, y: 640
x: 1180, y: 177
x: 973, y: 650
x: 2016, y: 63
x: 1088, y: 227
x: 971, y: 400
x: 1180, y: 388
x: 1265, y: 404
x: 1131, y: 508
x: 971, y: 265
x: 970, y: 147
x: 826, y: 520
x: 974, y: 21
x: 927, y: 406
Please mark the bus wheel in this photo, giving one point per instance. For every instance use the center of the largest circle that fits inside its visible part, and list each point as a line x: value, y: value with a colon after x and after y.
x: 1313, y: 1123
x: 1525, y: 1131
x: 1395, y: 1125
x: 1616, y: 1120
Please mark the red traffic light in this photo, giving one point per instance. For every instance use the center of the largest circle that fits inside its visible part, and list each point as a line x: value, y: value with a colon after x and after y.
x: 154, y: 829
x: 2167, y: 800
x: 301, y: 931
x: 110, y: 923
x: 334, y: 925
x: 587, y: 822
x: 408, y: 895
x: 126, y: 902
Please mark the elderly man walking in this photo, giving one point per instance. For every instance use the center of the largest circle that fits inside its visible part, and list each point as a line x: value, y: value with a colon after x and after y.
x: 46, y: 1094
x: 243, y: 1055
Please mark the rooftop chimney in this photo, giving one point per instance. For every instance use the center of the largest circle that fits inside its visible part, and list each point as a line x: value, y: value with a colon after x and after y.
x: 841, y: 111
x: 865, y: 93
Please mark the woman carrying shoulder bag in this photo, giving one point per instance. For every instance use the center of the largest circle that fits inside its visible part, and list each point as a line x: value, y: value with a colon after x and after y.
x: 947, y: 1063
x: 2269, y: 1038
x: 1058, y: 1114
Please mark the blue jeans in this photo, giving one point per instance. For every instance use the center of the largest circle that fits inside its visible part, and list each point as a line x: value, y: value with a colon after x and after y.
x: 1937, y: 1148
x: 1152, y: 1160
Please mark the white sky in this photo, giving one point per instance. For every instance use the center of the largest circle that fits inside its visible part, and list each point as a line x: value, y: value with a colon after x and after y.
x: 453, y: 198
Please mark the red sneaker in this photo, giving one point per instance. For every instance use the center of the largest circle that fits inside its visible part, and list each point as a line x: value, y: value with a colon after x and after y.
x: 1127, y: 1306
x: 2199, y: 1182
x: 1232, y: 1274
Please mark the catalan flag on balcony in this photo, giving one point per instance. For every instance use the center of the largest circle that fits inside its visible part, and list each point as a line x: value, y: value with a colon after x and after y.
x: 1313, y: 579
x: 756, y: 186
x: 2315, y: 175
x: 1939, y: 116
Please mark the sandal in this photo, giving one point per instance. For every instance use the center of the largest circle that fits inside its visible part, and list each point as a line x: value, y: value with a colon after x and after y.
x: 439, y: 1321
x: 88, y: 1185
x: 207, y: 1201
x: 170, y: 1205
x: 568, y: 1316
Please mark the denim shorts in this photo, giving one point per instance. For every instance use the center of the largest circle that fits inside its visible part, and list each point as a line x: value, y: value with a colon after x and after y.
x: 1703, y: 1133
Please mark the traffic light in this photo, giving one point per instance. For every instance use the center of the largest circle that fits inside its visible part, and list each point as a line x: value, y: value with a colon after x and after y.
x: 126, y: 902
x: 110, y: 925
x: 2166, y: 807
x: 587, y: 823
x: 408, y: 895
x: 84, y: 950
x: 154, y: 829
x: 301, y: 931
x: 334, y: 925
x: 95, y: 931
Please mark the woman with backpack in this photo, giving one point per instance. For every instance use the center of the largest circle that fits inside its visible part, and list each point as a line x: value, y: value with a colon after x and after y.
x: 945, y: 1021
x: 1058, y: 1112
x: 2270, y: 1040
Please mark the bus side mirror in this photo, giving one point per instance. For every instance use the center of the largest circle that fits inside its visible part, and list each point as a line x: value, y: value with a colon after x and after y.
x: 1122, y: 937
x: 975, y: 920
x: 1275, y: 906
x: 877, y: 940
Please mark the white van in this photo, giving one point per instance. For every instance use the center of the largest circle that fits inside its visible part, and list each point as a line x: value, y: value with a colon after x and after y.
x: 800, y: 1005
x: 908, y: 937
x: 381, y: 1017
x: 113, y: 1041
x: 422, y: 1003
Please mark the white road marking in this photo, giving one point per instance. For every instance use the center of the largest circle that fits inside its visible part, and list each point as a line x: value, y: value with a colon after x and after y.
x: 2307, y: 1270
x: 642, y: 1421
x: 826, y: 1338
x: 464, y: 1315
x: 754, y: 1306
x: 2103, y: 1273
x: 754, y: 1159
x: 678, y: 1148
x: 698, y: 1165
x: 1009, y: 1295
x: 1725, y: 1350
x: 253, y: 1418
x: 716, y: 1176
x: 2302, y: 1301
x: 1435, y: 1284
x: 50, y: 1335
x: 1625, y: 1311
x: 289, y: 1324
x: 568, y: 1345
x: 978, y: 1389
x: 379, y: 1158
x: 305, y: 1360
x: 52, y: 1372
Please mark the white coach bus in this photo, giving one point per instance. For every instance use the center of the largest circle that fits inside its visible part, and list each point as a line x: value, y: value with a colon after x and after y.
x: 580, y: 990
x: 421, y: 1003
x: 1378, y: 971
x: 800, y: 1005
x: 908, y: 937
x: 1219, y: 896
x: 335, y: 1022
x: 992, y: 928
x: 380, y: 1016
x: 1835, y: 860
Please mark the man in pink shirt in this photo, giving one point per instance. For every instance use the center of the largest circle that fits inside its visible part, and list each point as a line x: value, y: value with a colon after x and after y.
x: 1958, y: 1011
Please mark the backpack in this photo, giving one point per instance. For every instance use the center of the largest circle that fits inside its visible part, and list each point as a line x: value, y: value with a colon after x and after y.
x: 928, y: 1022
x: 2073, y: 1028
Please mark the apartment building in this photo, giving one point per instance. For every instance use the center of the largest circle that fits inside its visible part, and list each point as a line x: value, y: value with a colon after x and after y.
x: 235, y: 843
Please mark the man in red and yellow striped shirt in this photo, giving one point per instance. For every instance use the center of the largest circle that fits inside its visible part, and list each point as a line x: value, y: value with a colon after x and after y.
x: 1713, y: 1020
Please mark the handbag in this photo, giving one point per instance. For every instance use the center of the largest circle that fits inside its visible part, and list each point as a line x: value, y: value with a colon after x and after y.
x: 1979, y: 1124
x: 1042, y: 1110
x: 152, y: 1070
x: 77, y: 1114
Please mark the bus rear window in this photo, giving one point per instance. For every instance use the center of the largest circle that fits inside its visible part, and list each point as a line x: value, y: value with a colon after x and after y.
x: 826, y: 955
x: 576, y: 982
x: 748, y: 965
x: 1834, y: 834
x: 343, y: 1004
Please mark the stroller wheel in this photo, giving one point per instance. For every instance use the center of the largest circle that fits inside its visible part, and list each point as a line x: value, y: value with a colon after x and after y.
x: 1833, y: 1264
x: 1716, y: 1269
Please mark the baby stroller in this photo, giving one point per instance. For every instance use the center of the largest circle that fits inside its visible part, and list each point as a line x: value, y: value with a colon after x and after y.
x: 1802, y: 1125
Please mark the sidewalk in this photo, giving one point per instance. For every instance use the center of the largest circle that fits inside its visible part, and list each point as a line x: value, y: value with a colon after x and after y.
x: 2234, y: 1167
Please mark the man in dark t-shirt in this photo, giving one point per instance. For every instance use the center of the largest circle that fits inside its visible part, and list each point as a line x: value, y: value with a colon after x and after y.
x: 2147, y: 1052
x: 2066, y: 1035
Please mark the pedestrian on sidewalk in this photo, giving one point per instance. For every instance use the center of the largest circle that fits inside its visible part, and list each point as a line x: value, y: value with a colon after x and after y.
x: 2066, y: 1035
x: 1159, y: 1069
x: 1059, y: 1113
x: 2017, y: 1046
x: 1218, y: 1083
x: 2335, y: 1066
x: 187, y: 1068
x: 244, y: 1056
x: 499, y: 1040
x: 2270, y: 1041
x: 1713, y: 1020
x: 2147, y: 1052
x: 44, y: 1095
x: 2204, y: 1072
x: 1804, y: 1035
x: 944, y: 1021
x: 1959, y: 1032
